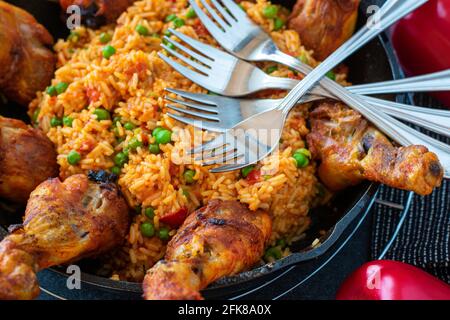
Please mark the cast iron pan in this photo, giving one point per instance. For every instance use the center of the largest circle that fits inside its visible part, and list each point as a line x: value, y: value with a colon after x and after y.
x: 375, y: 62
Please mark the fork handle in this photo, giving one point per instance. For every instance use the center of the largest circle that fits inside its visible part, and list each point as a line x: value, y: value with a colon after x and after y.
x: 390, y: 12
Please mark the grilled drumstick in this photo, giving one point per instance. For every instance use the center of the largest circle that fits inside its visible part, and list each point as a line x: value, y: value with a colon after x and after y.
x: 27, y: 157
x: 26, y: 63
x: 350, y: 150
x: 218, y: 240
x: 324, y: 25
x: 64, y: 221
x: 98, y: 12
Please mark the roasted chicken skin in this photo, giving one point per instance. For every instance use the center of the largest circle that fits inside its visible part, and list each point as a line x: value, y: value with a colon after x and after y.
x: 97, y: 12
x: 351, y: 149
x: 324, y: 25
x: 218, y: 240
x: 26, y: 63
x: 27, y: 157
x: 64, y: 221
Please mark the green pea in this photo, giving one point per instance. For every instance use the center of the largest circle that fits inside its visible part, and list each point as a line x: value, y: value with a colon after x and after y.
x: 171, y: 17
x: 191, y: 14
x: 149, y: 212
x: 108, y: 51
x: 281, y: 243
x: 163, y: 136
x: 156, y: 130
x: 147, y: 229
x: 73, y: 36
x: 61, y: 87
x: 278, y: 24
x: 35, y: 116
x: 67, y: 121
x: 105, y: 37
x: 301, y: 160
x: 120, y: 159
x: 73, y: 157
x: 55, y: 122
x: 51, y: 91
x: 270, y: 11
x: 189, y: 176
x: 154, y: 148
x: 331, y: 75
x: 142, y: 30
x: 304, y: 151
x: 102, y: 114
x: 163, y: 233
x: 274, y: 253
x: 178, y: 22
x: 167, y: 33
x: 129, y: 126
x: 303, y: 58
x: 169, y: 44
x: 134, y: 143
x: 246, y: 171
x: 271, y: 69
x: 186, y: 193
x: 116, y: 170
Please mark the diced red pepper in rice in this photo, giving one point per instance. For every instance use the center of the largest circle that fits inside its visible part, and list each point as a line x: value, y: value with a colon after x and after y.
x: 254, y: 176
x: 176, y: 218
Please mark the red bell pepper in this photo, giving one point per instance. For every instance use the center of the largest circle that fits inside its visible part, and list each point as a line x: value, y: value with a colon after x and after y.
x: 422, y: 41
x: 176, y: 218
x: 392, y: 280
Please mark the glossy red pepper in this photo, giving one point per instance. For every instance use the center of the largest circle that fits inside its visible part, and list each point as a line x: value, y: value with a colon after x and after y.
x: 392, y: 280
x: 254, y: 176
x: 176, y: 218
x: 422, y: 41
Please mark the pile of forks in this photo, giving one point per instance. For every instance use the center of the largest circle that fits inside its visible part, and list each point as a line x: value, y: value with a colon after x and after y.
x: 250, y: 129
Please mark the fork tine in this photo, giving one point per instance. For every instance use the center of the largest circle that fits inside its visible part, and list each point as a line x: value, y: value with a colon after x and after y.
x: 223, y: 12
x: 221, y: 160
x: 214, y: 14
x: 200, y: 47
x: 186, y: 60
x: 203, y: 98
x: 228, y: 167
x: 188, y: 73
x: 235, y: 10
x: 203, y: 59
x: 210, y: 145
x: 207, y: 125
x: 190, y: 112
x: 215, y: 153
x: 193, y: 105
x: 215, y: 31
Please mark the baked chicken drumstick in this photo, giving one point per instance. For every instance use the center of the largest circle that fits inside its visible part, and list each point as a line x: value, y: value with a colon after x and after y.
x: 324, y: 25
x: 351, y: 149
x: 64, y: 221
x: 27, y: 157
x: 221, y: 239
x: 26, y: 63
x: 98, y: 12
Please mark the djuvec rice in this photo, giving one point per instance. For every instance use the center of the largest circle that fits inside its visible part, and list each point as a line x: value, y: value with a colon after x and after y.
x: 130, y: 85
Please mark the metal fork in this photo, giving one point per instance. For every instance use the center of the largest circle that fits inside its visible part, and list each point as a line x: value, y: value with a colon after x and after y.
x: 389, y: 13
x: 223, y: 73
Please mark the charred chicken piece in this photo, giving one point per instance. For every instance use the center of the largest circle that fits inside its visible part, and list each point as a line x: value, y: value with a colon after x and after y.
x: 27, y: 157
x: 351, y: 150
x: 26, y: 63
x: 218, y: 240
x: 64, y: 222
x: 324, y: 25
x: 98, y: 12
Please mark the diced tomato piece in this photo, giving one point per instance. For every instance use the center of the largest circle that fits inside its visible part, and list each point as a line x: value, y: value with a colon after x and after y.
x: 254, y: 176
x: 176, y: 218
x: 92, y: 94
